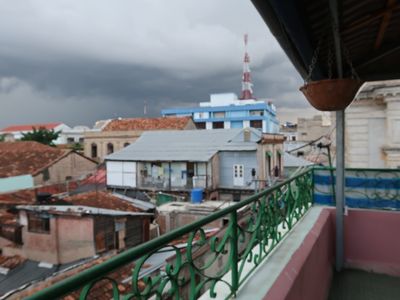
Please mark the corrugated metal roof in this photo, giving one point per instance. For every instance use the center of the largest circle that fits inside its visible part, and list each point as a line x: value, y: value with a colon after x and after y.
x: 29, y: 272
x: 187, y: 145
x: 78, y: 209
x: 143, y: 205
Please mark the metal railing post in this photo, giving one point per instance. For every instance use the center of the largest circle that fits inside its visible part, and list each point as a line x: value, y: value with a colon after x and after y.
x: 234, y: 252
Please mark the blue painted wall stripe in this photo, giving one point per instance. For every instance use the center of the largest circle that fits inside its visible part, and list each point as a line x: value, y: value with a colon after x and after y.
x: 359, y: 202
x: 356, y: 182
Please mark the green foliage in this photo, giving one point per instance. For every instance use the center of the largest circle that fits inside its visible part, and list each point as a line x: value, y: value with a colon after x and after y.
x: 41, y: 135
x: 2, y: 137
x: 77, y: 147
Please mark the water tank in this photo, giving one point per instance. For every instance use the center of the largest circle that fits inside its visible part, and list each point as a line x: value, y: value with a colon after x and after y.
x: 197, y: 195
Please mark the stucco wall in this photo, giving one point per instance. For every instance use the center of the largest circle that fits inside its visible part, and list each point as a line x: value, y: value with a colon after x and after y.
x: 373, y: 125
x: 227, y: 159
x: 363, y: 148
x: 73, y: 165
x: 102, y: 138
x: 69, y: 239
x: 371, y: 240
x: 40, y: 246
x: 309, y: 129
x: 75, y: 238
x: 308, y: 274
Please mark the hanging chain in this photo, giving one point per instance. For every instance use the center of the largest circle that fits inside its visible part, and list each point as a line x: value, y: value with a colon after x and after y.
x: 330, y: 62
x: 346, y: 53
x: 314, y: 60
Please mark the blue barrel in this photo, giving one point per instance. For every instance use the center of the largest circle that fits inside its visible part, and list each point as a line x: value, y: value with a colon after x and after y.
x: 197, y: 195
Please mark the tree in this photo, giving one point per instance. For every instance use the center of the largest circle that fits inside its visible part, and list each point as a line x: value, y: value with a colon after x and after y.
x: 41, y: 135
x: 77, y: 147
x: 2, y: 137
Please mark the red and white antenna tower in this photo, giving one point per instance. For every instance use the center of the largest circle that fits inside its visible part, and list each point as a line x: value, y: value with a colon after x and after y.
x: 247, y: 91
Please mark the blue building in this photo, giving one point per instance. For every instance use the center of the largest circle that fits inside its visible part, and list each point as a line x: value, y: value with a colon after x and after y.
x: 227, y: 111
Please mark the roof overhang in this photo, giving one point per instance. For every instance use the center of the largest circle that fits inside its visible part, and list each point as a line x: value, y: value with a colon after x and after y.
x: 369, y: 30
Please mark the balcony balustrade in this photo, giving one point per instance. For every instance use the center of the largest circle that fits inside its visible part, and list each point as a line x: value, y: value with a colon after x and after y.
x: 254, y: 227
x: 216, y: 265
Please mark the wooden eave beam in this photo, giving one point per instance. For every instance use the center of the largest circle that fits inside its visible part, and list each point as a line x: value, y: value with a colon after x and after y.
x: 371, y: 17
x: 384, y: 24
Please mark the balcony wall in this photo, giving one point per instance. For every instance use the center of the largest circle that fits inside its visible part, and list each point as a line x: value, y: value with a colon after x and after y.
x: 371, y: 244
x: 371, y: 241
x: 303, y: 259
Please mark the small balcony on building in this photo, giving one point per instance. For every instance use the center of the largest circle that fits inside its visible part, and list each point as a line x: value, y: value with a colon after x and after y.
x: 173, y: 176
x: 277, y: 244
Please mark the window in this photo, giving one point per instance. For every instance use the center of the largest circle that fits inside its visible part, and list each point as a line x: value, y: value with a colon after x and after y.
x: 38, y: 224
x: 201, y: 125
x: 126, y: 144
x: 46, y: 174
x: 218, y: 125
x: 268, y: 165
x: 94, y: 150
x: 256, y: 113
x: 256, y: 123
x: 238, y: 114
x: 110, y: 148
x: 70, y: 140
x: 219, y: 114
x: 81, y: 140
x: 279, y: 163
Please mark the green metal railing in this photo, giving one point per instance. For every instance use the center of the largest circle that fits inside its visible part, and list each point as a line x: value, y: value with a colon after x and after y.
x: 252, y: 229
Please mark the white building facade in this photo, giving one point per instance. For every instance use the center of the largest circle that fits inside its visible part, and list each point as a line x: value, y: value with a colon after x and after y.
x: 376, y: 110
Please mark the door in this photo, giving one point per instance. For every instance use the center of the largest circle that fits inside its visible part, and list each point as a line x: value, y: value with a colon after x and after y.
x: 189, y: 174
x: 238, y: 175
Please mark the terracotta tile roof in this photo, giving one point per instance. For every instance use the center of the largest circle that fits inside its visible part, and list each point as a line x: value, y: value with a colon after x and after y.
x: 167, y: 123
x: 21, y: 158
x: 29, y: 127
x: 102, y: 199
x: 7, y: 218
x: 19, y: 197
x: 10, y: 262
x: 97, y: 178
x: 101, y: 290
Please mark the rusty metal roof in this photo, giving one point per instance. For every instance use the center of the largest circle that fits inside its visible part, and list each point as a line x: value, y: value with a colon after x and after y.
x: 369, y: 30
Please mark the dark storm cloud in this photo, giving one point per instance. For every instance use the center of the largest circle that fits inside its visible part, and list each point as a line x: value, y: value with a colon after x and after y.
x: 79, y: 62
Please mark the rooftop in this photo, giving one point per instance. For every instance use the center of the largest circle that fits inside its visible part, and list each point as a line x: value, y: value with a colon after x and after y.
x: 162, y: 123
x: 19, y: 197
x: 21, y: 158
x: 186, y: 145
x: 106, y: 200
x: 29, y: 127
x: 78, y: 210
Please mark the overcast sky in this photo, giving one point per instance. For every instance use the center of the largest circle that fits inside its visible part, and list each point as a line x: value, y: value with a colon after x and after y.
x: 79, y: 61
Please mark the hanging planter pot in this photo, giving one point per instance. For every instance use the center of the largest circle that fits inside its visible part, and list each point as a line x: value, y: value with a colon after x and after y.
x: 331, y: 94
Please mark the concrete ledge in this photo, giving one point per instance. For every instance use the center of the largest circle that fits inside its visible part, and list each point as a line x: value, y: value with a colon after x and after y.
x: 300, y: 267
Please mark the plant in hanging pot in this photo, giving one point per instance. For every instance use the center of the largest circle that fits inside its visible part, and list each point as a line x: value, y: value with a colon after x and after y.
x: 331, y: 94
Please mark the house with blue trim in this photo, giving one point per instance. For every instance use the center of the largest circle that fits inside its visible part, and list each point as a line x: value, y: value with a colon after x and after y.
x: 225, y: 111
x: 223, y: 162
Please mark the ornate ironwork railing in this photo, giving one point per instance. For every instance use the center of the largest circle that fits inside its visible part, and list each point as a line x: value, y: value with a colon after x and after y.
x: 364, y: 188
x: 216, y: 264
